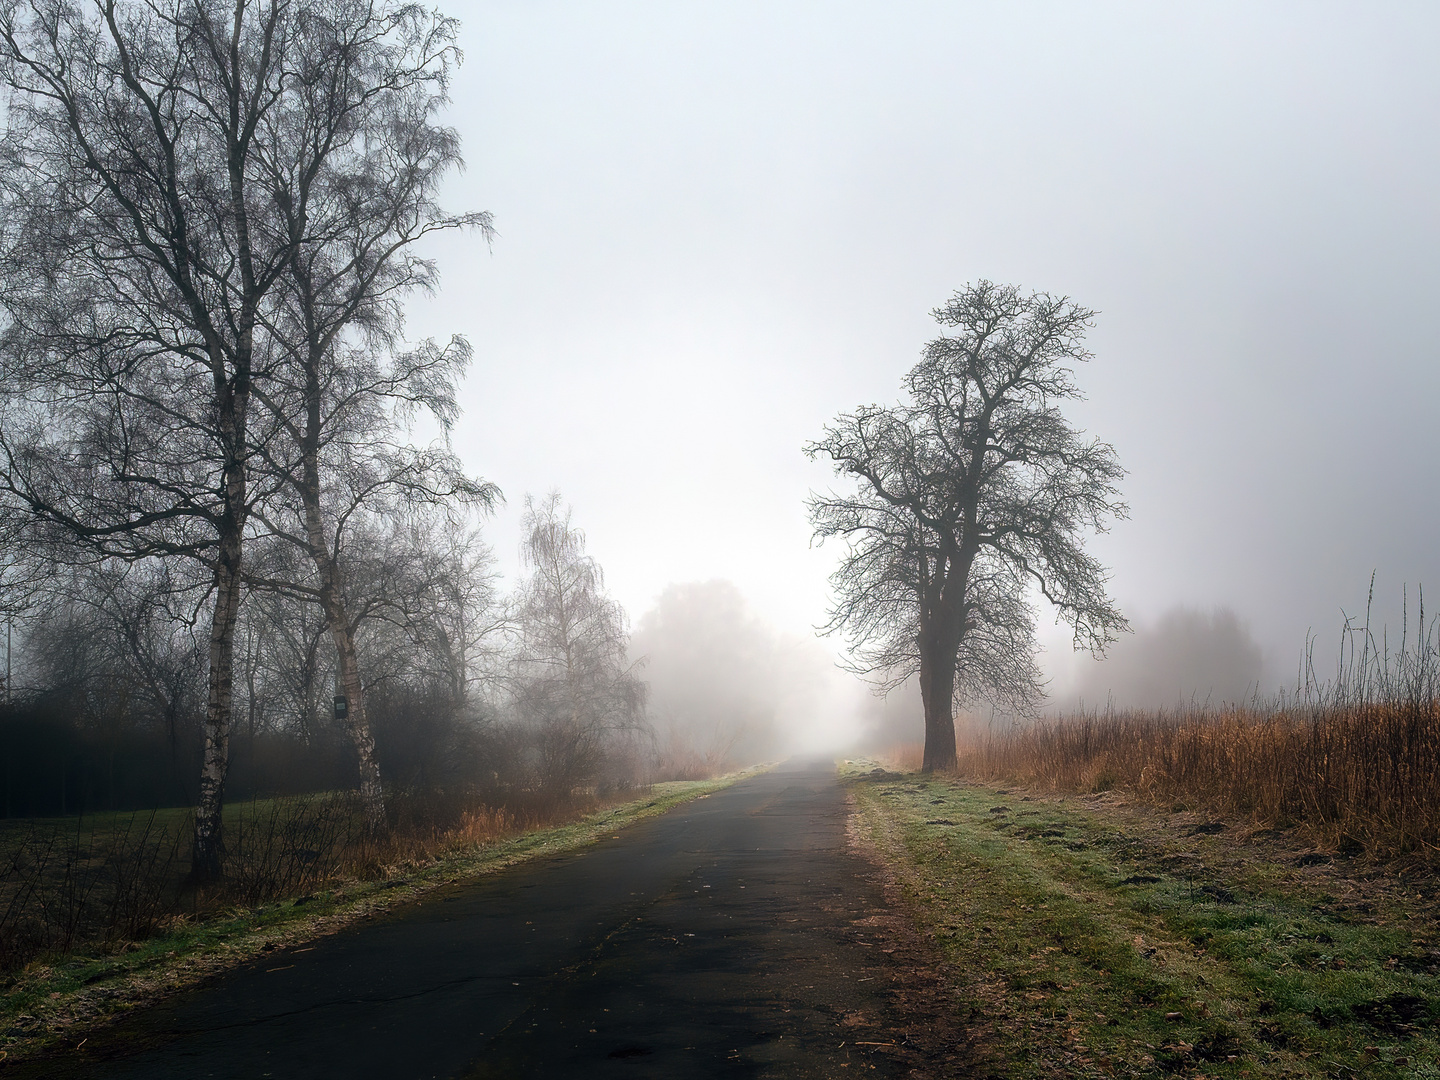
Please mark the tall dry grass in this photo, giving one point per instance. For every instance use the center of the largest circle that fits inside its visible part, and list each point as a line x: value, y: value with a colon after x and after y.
x: 1353, y: 762
x: 1365, y: 777
x: 907, y: 757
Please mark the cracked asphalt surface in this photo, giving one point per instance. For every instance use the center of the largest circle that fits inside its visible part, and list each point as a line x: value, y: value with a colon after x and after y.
x: 736, y: 936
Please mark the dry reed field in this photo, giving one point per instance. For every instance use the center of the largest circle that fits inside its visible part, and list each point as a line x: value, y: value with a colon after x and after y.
x: 1365, y: 777
x: 1353, y: 764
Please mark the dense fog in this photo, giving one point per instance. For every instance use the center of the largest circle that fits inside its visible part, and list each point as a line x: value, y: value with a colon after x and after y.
x: 715, y: 675
x: 727, y: 688
x: 710, y: 229
x: 738, y: 216
x: 1185, y: 657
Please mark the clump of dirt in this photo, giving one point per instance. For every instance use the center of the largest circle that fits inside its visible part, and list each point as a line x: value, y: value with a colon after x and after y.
x: 1397, y: 1014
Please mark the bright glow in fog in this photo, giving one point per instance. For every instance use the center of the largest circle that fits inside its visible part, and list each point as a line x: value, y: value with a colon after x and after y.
x: 728, y: 688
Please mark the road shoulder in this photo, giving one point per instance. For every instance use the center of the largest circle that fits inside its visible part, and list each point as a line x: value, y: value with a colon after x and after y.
x: 1093, y: 937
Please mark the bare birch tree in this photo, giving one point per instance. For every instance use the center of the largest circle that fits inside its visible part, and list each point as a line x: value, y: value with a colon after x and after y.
x: 973, y: 491
x: 365, y: 574
x: 573, y: 684
x: 140, y: 245
x: 356, y: 197
x: 167, y: 164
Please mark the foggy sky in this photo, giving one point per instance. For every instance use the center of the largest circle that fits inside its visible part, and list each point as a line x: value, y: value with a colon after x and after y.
x: 722, y: 223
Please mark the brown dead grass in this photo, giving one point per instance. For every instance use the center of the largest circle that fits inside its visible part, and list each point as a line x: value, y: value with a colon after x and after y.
x: 905, y: 757
x: 1358, y: 777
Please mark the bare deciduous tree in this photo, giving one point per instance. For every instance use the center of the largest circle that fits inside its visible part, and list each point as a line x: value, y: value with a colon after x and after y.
x: 167, y: 164
x: 445, y: 577
x: 718, y: 679
x: 971, y: 492
x: 574, y: 684
x: 356, y: 202
x: 141, y: 244
x: 342, y: 472
x: 133, y: 624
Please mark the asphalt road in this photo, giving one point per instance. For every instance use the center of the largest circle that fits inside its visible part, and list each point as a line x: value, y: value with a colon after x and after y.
x: 733, y: 937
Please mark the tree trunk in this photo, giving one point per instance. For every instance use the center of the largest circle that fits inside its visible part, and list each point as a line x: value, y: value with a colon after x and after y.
x: 372, y: 794
x: 332, y: 588
x: 332, y: 601
x: 937, y: 691
x: 209, y: 849
x: 231, y: 402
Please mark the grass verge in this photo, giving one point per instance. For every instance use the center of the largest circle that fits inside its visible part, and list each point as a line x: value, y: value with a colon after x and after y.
x: 52, y: 1003
x: 1098, y: 937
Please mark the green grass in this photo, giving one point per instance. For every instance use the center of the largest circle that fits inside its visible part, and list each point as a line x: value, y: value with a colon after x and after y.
x: 107, y: 821
x: 56, y: 1002
x: 1098, y: 939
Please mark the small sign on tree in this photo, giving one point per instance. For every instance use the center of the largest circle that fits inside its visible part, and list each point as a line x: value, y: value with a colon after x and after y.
x: 342, y: 707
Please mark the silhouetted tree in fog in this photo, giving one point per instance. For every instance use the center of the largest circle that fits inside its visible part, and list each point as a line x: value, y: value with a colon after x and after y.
x: 717, y: 676
x: 445, y: 579
x: 573, y: 683
x: 971, y: 491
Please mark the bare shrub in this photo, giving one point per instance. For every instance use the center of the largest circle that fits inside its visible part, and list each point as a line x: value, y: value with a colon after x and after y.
x: 682, y: 760
x: 59, y: 888
x: 291, y: 846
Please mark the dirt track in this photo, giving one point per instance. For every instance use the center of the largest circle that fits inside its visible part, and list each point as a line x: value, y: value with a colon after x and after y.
x: 737, y: 936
